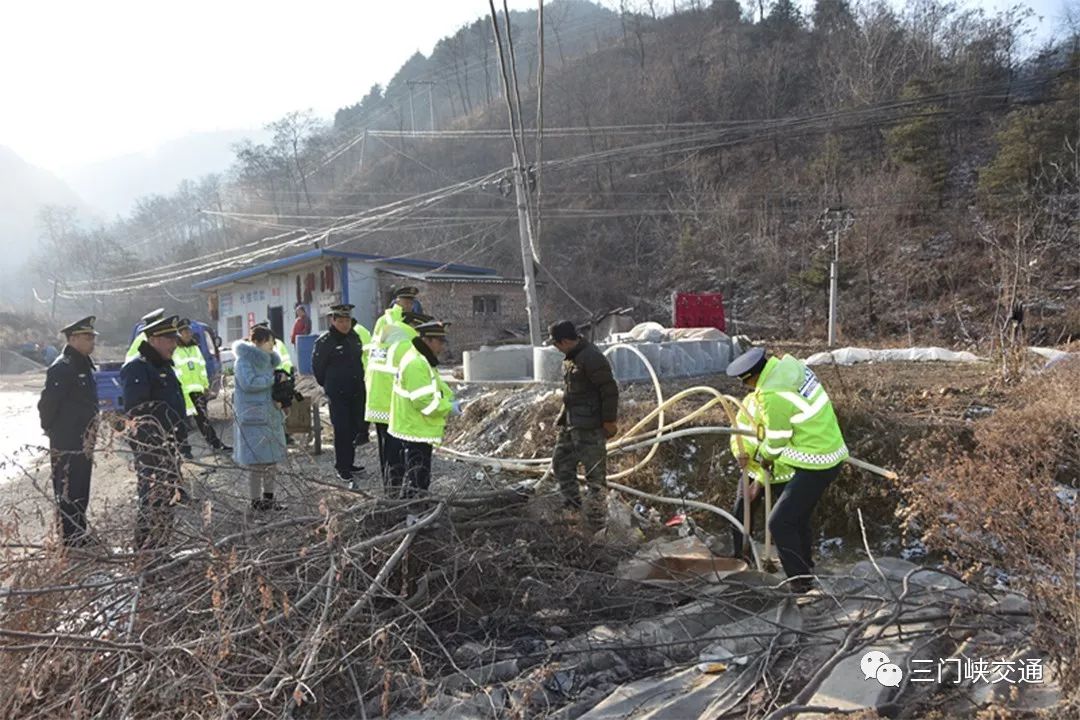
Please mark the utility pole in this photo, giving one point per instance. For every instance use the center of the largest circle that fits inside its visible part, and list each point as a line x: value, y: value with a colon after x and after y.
x: 55, y: 286
x: 431, y: 101
x: 835, y: 221
x: 532, y: 302
x: 412, y: 112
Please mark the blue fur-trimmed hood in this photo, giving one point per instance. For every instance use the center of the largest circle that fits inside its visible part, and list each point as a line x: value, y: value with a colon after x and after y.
x: 246, y: 349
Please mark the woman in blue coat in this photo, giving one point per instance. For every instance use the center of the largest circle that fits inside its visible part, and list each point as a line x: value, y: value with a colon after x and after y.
x: 260, y: 423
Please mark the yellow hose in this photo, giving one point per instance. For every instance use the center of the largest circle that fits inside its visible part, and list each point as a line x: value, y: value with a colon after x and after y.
x: 663, y: 432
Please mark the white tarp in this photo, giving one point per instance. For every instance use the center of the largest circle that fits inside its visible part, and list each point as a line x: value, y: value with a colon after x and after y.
x: 850, y: 356
x: 656, y: 333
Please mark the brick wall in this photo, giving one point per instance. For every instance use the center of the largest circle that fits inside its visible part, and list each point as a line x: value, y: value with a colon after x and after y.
x: 454, y: 302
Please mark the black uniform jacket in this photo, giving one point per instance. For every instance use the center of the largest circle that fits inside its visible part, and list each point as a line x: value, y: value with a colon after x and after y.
x: 69, y: 402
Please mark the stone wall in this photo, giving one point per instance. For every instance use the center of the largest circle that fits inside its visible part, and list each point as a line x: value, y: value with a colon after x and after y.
x: 475, y: 322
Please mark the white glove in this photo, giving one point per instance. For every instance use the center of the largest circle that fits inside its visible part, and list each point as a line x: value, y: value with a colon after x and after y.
x: 455, y: 407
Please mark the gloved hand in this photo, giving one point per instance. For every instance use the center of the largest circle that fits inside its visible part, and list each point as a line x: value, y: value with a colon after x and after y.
x: 455, y: 407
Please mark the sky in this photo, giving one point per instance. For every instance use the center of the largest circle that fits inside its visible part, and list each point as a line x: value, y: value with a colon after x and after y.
x: 85, y: 81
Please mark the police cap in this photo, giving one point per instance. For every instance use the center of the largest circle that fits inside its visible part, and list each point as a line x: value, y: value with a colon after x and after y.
x: 408, y: 292
x: 432, y: 329
x: 86, y: 325
x: 165, y: 327
x: 153, y: 316
x: 415, y: 319
x: 749, y: 363
x: 343, y: 310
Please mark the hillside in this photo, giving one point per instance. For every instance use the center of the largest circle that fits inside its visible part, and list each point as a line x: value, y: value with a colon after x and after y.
x: 24, y: 190
x: 113, y: 186
x: 693, y: 150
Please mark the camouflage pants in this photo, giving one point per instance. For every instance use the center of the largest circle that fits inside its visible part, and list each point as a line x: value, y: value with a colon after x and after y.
x: 586, y: 447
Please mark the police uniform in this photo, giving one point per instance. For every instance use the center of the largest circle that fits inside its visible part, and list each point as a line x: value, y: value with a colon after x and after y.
x: 802, y: 433
x: 155, y: 402
x: 140, y: 337
x: 419, y: 407
x: 190, y: 365
x: 337, y: 362
x: 389, y: 345
x: 69, y: 410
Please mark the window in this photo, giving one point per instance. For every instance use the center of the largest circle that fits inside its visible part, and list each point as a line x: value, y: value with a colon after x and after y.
x: 485, y: 305
x: 234, y: 327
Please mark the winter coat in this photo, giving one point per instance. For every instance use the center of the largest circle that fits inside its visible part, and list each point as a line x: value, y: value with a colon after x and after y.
x: 153, y: 397
x: 259, y: 423
x: 69, y: 402
x: 338, y: 366
x: 590, y: 396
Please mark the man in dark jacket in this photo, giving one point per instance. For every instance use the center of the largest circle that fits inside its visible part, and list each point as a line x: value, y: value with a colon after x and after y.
x: 337, y: 362
x: 155, y: 403
x: 68, y: 410
x: 589, y: 417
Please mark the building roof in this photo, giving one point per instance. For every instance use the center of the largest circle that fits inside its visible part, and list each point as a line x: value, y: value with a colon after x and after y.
x: 451, y: 277
x: 471, y: 273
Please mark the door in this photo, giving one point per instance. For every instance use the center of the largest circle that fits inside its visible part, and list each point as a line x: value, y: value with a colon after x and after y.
x: 277, y: 322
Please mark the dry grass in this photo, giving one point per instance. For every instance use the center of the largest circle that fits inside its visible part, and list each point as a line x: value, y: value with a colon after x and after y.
x: 988, y: 500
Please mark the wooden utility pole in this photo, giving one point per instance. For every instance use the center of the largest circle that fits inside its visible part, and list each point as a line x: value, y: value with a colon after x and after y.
x: 532, y: 302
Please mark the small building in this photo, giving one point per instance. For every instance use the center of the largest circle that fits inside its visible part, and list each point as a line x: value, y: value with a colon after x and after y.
x: 483, y: 306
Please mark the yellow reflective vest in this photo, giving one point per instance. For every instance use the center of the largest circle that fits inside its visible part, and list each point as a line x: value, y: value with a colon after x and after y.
x: 190, y: 367
x: 421, y: 401
x: 781, y: 472
x: 800, y: 424
x: 365, y: 341
x: 283, y: 352
x: 133, y: 351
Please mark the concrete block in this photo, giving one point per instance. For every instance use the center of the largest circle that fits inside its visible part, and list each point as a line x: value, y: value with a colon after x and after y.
x: 509, y: 362
x: 547, y: 364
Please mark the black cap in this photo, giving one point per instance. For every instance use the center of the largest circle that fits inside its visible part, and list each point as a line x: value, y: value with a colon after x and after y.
x: 562, y: 330
x: 165, y: 327
x: 407, y: 292
x: 749, y: 363
x: 183, y: 324
x: 344, y: 310
x: 416, y: 319
x: 153, y: 316
x: 432, y: 328
x: 86, y: 325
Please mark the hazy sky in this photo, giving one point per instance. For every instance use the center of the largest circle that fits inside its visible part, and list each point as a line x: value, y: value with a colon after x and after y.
x: 84, y: 80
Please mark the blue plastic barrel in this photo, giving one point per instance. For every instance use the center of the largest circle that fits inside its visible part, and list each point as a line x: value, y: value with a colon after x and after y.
x: 305, y: 345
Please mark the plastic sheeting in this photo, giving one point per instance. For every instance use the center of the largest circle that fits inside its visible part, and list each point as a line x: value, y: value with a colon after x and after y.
x: 850, y: 356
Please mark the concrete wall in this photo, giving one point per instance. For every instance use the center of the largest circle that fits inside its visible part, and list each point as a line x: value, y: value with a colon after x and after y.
x: 686, y: 358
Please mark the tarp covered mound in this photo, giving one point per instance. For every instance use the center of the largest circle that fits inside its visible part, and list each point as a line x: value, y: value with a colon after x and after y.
x: 850, y: 356
x: 655, y: 332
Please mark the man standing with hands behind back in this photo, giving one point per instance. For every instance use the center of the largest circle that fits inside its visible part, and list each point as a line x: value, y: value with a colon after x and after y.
x: 589, y: 418
x: 69, y: 409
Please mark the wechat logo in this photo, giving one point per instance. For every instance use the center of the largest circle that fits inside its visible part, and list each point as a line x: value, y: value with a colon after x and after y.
x: 876, y: 665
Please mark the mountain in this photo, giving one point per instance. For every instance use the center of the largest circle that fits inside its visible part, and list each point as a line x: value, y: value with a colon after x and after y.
x: 112, y: 186
x: 24, y: 189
